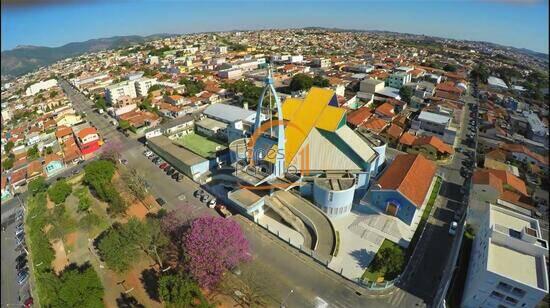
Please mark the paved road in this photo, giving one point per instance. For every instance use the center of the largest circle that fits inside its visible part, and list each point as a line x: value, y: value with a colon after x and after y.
x: 12, y: 293
x: 282, y: 267
x: 429, y: 268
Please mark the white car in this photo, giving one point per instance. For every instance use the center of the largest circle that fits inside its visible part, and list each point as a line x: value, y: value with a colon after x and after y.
x: 212, y: 203
x: 453, y: 227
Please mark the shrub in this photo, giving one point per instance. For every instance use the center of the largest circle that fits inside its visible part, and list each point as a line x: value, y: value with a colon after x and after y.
x: 59, y: 191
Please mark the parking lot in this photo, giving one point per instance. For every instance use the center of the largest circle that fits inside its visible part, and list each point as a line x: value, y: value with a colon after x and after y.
x: 13, y: 293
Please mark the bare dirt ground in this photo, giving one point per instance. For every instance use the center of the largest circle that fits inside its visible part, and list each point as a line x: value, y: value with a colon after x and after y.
x: 61, y: 259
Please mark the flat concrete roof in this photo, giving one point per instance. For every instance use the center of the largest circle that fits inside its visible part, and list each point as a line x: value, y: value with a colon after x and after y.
x: 509, y: 221
x: 335, y: 184
x: 512, y: 264
x: 244, y: 197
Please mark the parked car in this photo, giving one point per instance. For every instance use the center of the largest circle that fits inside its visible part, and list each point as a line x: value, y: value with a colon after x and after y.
x: 19, y: 239
x: 453, y: 227
x: 28, y: 302
x: 19, y: 231
x: 163, y: 165
x: 124, y: 161
x: 159, y: 162
x: 21, y: 279
x: 21, y: 265
x: 223, y: 210
x: 198, y: 193
x: 21, y: 256
x: 204, y: 198
x: 171, y: 171
x: 175, y: 175
x: 212, y: 203
x: 160, y: 201
x: 179, y: 178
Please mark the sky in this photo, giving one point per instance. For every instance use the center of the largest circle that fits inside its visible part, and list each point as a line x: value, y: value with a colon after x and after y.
x: 518, y: 23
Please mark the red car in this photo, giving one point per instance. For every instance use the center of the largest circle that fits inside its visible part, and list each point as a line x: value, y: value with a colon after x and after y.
x: 163, y: 165
x: 28, y: 302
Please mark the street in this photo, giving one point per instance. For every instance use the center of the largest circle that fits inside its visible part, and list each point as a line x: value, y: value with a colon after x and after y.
x: 282, y: 267
x: 429, y: 269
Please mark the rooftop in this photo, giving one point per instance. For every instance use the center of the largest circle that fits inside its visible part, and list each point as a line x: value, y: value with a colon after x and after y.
x: 228, y: 113
x: 433, y: 117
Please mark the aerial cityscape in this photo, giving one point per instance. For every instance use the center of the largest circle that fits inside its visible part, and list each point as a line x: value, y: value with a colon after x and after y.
x: 208, y: 161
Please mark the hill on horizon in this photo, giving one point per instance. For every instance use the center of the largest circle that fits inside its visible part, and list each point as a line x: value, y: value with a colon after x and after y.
x: 25, y: 59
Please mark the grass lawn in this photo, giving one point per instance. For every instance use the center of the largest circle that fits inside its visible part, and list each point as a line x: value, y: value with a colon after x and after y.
x: 200, y: 145
x: 373, y: 276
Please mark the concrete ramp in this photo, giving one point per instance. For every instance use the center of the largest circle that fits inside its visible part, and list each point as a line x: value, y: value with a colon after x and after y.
x: 294, y: 221
x: 325, y: 236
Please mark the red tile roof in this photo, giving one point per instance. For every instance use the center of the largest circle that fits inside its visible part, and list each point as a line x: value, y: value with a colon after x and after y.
x: 358, y: 116
x: 18, y: 175
x: 482, y: 177
x: 517, y: 199
x: 435, y: 142
x: 394, y: 131
x: 375, y: 124
x: 386, y: 109
x: 34, y: 168
x: 86, y: 131
x: 496, y: 154
x: 63, y: 131
x: 407, y: 139
x: 411, y: 175
x: 509, y: 179
x: 51, y: 157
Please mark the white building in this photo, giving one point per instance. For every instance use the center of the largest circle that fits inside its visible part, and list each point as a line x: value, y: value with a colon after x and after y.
x: 507, y: 263
x: 143, y: 84
x: 114, y: 92
x: 435, y: 124
x: 231, y: 73
x: 321, y: 62
x: 496, y: 82
x: 397, y: 80
x: 371, y: 85
x: 43, y: 85
x: 221, y: 49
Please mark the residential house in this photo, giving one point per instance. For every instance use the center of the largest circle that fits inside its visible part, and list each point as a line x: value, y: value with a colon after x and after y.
x: 402, y: 190
x: 375, y: 125
x: 63, y: 133
x: 430, y: 123
x: 385, y: 111
x: 359, y: 116
x: 34, y: 169
x: 53, y: 163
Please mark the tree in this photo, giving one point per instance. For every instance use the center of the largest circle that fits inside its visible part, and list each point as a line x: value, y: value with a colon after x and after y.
x: 84, y: 200
x: 59, y: 191
x: 123, y: 124
x: 99, y: 171
x: 48, y: 150
x: 135, y: 182
x: 154, y: 88
x: 301, y: 82
x: 117, y: 250
x: 390, y: 260
x: 71, y: 75
x: 480, y: 73
x: 319, y: 81
x: 9, y: 146
x: 405, y: 93
x: 450, y: 67
x: 33, y: 153
x: 100, y: 103
x: 214, y: 245
x: 179, y: 291
x: 37, y: 185
x: 53, y: 93
x: 192, y: 87
x: 110, y: 151
x: 7, y: 164
x: 79, y: 286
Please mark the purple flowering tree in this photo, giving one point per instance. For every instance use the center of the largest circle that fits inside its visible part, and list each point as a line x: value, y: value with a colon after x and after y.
x: 214, y: 245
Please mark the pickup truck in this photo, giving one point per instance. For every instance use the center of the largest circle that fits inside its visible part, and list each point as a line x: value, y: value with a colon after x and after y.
x: 223, y: 210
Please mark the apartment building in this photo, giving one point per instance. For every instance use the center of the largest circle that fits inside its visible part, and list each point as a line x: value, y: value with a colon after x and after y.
x: 507, y: 263
x: 435, y: 124
x: 39, y: 86
x: 143, y: 84
x: 114, y: 92
x: 398, y: 80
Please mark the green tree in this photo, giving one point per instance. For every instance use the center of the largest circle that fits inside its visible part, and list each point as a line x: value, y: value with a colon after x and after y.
x: 480, y: 73
x: 71, y: 75
x: 53, y: 93
x: 62, y: 223
x: 301, y: 82
x: 37, y: 185
x: 389, y: 260
x: 84, y: 200
x: 319, y: 81
x: 450, y: 67
x: 9, y: 146
x: 48, y: 150
x: 123, y: 124
x: 79, y: 287
x: 100, y: 103
x: 33, y: 153
x: 192, y: 87
x: 405, y: 93
x: 7, y: 164
x: 59, y: 191
x: 117, y: 250
x: 177, y: 290
x: 154, y: 88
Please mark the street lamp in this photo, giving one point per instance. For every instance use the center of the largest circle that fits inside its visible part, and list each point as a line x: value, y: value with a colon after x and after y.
x: 286, y: 297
